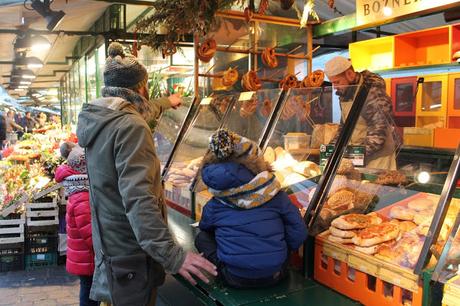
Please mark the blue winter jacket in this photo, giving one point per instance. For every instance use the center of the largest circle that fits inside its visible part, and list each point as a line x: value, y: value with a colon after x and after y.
x: 253, y: 243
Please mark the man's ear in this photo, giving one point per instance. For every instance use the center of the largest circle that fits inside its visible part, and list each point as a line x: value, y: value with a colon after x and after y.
x: 350, y: 75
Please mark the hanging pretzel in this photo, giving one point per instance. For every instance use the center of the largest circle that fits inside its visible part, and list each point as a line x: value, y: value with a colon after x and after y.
x: 169, y: 49
x: 289, y: 81
x: 248, y: 14
x: 250, y: 81
x: 269, y: 58
x: 314, y: 79
x: 248, y: 108
x: 266, y: 108
x: 207, y: 50
x: 230, y: 77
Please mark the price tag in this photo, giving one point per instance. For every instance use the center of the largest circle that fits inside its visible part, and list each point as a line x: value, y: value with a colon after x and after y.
x: 245, y: 96
x: 206, y: 101
x: 40, y: 256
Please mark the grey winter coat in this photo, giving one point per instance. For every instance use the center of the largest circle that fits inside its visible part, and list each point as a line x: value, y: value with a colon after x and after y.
x: 125, y: 188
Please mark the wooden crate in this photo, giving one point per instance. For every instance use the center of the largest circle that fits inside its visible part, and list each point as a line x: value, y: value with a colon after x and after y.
x: 42, y: 214
x: 12, y: 230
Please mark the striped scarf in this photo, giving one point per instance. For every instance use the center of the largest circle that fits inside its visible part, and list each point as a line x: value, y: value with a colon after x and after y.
x: 75, y: 183
x: 261, y: 189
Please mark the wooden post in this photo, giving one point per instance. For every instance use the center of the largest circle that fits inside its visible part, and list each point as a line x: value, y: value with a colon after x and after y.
x: 196, y: 68
x: 309, y: 48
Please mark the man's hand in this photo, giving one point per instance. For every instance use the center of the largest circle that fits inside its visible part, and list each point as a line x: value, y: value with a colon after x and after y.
x: 175, y: 100
x: 193, y: 264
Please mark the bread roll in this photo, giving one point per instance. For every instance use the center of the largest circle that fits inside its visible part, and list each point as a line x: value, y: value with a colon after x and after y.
x: 269, y: 155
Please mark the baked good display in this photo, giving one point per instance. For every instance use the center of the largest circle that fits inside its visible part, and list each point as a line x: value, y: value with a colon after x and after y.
x: 376, y: 234
x: 230, y: 77
x: 248, y: 108
x: 351, y: 221
x: 342, y: 233
x: 340, y: 240
x: 422, y: 204
x: 402, y: 213
x: 266, y: 108
x: 391, y: 177
x: 206, y: 50
x: 314, y: 79
x: 182, y: 174
x: 289, y: 109
x: 250, y: 81
x: 289, y: 81
x: 269, y: 58
x: 323, y: 134
x: 269, y: 155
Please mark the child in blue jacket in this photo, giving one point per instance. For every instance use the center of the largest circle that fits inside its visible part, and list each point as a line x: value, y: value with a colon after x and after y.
x: 249, y: 226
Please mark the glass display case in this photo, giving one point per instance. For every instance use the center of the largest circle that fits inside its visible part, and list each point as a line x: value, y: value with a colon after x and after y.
x: 91, y: 77
x: 303, y: 124
x: 371, y: 223
x: 186, y: 158
x: 168, y: 128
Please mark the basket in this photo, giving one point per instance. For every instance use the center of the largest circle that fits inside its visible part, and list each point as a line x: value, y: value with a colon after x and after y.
x: 42, y: 213
x: 40, y: 260
x: 12, y: 229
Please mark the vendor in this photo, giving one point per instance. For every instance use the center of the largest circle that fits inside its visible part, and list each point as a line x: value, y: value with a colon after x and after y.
x: 375, y: 126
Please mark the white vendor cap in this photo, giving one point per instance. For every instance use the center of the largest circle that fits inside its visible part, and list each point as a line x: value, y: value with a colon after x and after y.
x: 336, y: 66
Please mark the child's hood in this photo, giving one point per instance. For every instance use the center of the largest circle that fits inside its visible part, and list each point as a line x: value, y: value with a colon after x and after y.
x: 233, y: 184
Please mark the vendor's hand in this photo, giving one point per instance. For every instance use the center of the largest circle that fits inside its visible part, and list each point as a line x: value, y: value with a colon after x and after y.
x: 194, y: 264
x: 175, y: 100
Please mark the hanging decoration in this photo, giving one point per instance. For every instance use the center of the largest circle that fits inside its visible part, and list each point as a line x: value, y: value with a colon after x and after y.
x: 307, y: 13
x: 179, y: 18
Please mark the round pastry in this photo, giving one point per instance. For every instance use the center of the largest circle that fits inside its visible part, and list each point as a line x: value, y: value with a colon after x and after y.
x: 269, y: 155
x: 169, y: 49
x: 269, y: 58
x: 207, y: 50
x: 341, y: 233
x: 230, y: 77
x: 250, y: 81
x: 423, y: 217
x: 421, y: 204
x: 402, y: 213
x: 340, y: 240
x: 289, y: 81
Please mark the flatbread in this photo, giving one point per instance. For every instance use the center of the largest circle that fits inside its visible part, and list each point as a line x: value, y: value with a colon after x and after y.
x: 376, y: 234
x: 340, y: 240
x: 374, y: 218
x: 402, y: 213
x: 421, y: 204
x: 423, y: 217
x: 367, y: 250
x: 341, y: 233
x: 341, y: 200
x: 352, y: 221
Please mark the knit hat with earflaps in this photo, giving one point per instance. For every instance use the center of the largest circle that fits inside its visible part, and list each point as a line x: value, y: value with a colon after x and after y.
x: 122, y: 70
x: 77, y: 159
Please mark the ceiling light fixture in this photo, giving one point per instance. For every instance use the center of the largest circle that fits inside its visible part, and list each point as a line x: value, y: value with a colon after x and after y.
x: 29, y: 62
x: 22, y: 73
x: 33, y: 43
x: 23, y: 86
x: 53, y: 18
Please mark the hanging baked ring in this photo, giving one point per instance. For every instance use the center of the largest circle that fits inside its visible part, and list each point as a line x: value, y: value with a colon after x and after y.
x: 269, y: 58
x: 316, y: 78
x: 250, y: 81
x: 207, y: 50
x: 230, y: 77
x: 289, y: 81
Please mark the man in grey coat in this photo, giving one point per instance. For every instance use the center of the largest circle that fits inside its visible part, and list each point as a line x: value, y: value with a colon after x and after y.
x: 124, y: 174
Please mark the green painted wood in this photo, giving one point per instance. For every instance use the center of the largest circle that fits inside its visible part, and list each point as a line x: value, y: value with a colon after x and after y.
x: 335, y: 26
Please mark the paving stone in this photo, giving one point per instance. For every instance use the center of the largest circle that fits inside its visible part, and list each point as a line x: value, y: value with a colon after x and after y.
x: 48, y: 302
x: 9, y: 300
x: 34, y: 297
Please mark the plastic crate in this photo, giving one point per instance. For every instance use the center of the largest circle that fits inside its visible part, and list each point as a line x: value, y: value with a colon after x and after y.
x: 11, y: 257
x: 40, y: 260
x: 12, y: 229
x: 41, y: 242
x: 42, y: 213
x: 363, y: 278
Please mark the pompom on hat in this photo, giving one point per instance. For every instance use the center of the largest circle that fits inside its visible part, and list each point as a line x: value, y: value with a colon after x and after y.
x: 336, y: 66
x: 122, y: 70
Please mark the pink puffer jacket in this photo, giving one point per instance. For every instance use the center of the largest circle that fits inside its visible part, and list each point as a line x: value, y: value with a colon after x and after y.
x: 80, y: 254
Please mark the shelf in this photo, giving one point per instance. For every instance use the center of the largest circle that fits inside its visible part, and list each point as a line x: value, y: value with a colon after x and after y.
x: 427, y: 47
x: 373, y: 54
x: 432, y: 101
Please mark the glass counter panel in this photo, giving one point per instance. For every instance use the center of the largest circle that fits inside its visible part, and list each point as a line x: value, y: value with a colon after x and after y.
x: 431, y: 96
x: 304, y: 123
x: 450, y: 266
x: 457, y: 94
x: 194, y: 145
x: 91, y: 75
x: 405, y: 97
x: 249, y: 115
x: 101, y: 65
x: 377, y: 211
x: 168, y: 128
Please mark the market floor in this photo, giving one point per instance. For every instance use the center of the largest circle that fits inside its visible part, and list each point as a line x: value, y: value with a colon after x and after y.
x: 53, y: 286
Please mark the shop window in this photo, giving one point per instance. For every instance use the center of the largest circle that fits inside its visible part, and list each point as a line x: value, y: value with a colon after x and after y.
x: 431, y: 98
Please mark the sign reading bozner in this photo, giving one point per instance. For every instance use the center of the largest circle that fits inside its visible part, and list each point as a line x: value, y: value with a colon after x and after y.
x: 371, y: 11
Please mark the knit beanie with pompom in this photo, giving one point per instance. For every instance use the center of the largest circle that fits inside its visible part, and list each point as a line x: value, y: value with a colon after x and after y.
x: 122, y: 70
